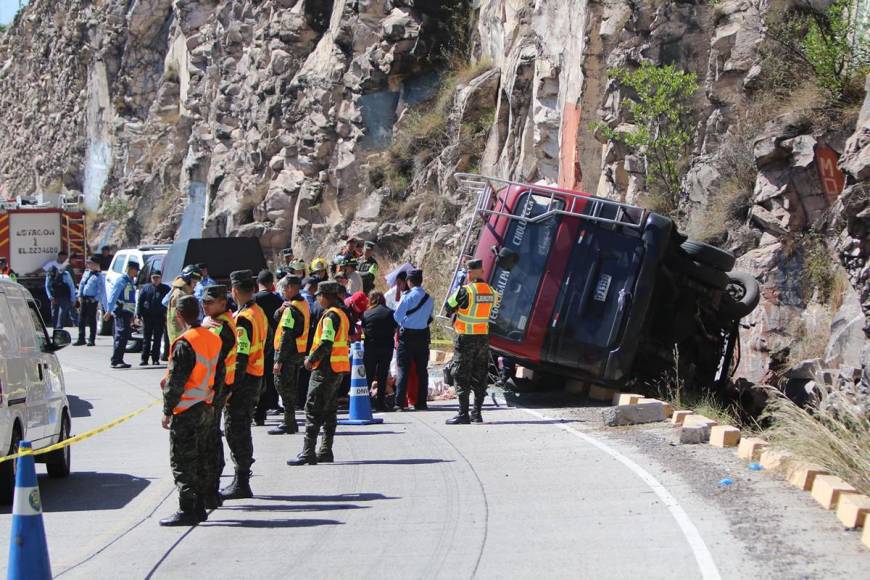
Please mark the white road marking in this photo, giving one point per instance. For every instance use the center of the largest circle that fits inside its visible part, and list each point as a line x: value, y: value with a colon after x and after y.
x: 702, y: 554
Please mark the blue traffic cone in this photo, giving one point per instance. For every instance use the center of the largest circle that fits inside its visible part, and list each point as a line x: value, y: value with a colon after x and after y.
x: 360, y: 412
x: 28, y: 550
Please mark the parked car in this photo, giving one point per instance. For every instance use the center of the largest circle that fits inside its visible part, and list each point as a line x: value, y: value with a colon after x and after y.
x: 602, y: 291
x: 33, y: 401
x: 149, y: 258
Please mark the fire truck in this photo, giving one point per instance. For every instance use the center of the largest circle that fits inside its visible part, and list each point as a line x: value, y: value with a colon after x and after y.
x: 601, y: 291
x: 32, y: 232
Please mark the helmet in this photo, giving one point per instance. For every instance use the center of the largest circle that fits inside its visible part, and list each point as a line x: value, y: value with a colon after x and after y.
x: 190, y: 273
x: 318, y: 264
x: 297, y: 265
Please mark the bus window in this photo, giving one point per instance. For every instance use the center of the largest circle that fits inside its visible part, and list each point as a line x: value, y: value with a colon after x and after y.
x: 519, y: 286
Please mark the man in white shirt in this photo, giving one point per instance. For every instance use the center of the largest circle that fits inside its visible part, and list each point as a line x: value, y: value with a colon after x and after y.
x: 354, y: 280
x: 61, y: 263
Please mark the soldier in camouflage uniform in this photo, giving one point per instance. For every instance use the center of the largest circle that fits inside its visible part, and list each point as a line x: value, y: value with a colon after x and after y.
x: 251, y: 330
x: 291, y: 340
x: 187, y: 412
x: 220, y: 321
x: 471, y: 304
x: 330, y: 359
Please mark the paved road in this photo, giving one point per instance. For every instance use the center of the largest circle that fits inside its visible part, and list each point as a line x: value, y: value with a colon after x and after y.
x: 521, y: 496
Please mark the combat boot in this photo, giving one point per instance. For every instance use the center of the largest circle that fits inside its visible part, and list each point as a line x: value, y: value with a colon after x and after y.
x: 462, y: 417
x: 213, y: 500
x: 240, y: 488
x: 476, y: 413
x: 201, y: 513
x: 324, y: 455
x: 180, y: 518
x: 307, y: 455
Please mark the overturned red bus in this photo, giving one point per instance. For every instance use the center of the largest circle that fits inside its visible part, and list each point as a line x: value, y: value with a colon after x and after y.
x: 599, y: 290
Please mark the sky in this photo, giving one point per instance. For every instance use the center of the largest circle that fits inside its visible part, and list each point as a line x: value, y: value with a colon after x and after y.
x: 8, y: 9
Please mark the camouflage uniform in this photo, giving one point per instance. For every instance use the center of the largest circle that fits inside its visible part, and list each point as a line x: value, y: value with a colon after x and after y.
x: 471, y: 366
x: 241, y: 405
x: 214, y: 449
x: 188, y: 431
x: 291, y: 360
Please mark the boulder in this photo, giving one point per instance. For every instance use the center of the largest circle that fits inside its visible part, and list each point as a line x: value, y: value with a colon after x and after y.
x: 633, y: 414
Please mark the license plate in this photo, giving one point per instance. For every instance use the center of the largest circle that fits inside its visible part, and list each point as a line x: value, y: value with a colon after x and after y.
x: 602, y: 288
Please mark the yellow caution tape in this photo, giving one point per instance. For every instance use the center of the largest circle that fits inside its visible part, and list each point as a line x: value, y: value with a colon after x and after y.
x: 82, y: 436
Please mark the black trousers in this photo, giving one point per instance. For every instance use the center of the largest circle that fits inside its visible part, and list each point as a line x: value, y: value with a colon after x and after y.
x: 413, y: 348
x: 88, y: 319
x: 152, y: 333
x: 123, y: 324
x: 269, y: 394
x: 376, y: 359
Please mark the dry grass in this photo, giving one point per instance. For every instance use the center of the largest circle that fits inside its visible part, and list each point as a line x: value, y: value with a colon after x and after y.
x: 838, y: 442
x: 672, y: 389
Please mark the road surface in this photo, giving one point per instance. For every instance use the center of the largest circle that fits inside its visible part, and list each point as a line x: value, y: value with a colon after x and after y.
x: 523, y: 496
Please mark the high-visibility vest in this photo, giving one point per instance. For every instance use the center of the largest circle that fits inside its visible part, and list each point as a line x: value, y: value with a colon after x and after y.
x: 255, y: 315
x: 474, y: 318
x: 301, y: 305
x: 200, y: 383
x: 340, y: 358
x: 230, y: 362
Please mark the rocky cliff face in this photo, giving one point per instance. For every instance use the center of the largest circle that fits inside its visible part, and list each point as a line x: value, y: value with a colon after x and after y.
x: 300, y: 121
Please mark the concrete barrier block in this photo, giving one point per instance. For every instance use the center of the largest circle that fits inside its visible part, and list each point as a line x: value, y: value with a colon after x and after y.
x: 802, y: 475
x: 775, y: 460
x: 668, y: 409
x: 633, y: 414
x: 616, y: 396
x: 852, y: 510
x: 865, y: 537
x: 724, y: 436
x: 679, y: 416
x: 602, y: 394
x: 524, y: 373
x: 694, y: 434
x: 828, y: 489
x: 749, y: 449
x: 629, y: 399
x: 693, y: 420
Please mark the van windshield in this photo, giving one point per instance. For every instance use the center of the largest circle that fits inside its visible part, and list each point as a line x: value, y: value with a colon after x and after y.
x: 519, y: 287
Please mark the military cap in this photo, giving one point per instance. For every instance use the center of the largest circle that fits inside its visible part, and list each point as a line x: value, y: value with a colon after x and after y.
x: 202, y: 266
x: 347, y: 262
x: 215, y: 292
x: 297, y: 265
x: 156, y: 273
x: 369, y: 245
x: 475, y: 264
x: 294, y: 280
x: 287, y: 252
x: 188, y: 306
x: 329, y: 288
x: 416, y: 276
x: 94, y: 260
x: 241, y: 278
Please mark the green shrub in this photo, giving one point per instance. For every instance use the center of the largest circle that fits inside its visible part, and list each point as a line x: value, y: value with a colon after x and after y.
x: 661, y: 114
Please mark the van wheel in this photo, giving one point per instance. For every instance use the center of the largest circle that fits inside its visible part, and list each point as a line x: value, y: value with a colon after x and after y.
x: 8, y: 469
x: 58, y: 462
x: 743, y: 295
x: 709, y: 255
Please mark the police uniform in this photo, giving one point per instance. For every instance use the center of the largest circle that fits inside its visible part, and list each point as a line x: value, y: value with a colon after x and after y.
x: 472, y: 305
x: 122, y: 305
x: 187, y: 398
x: 224, y: 327
x: 330, y: 361
x: 251, y: 330
x: 291, y: 344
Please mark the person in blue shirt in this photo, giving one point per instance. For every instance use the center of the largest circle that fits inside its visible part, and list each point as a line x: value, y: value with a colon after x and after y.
x: 413, y: 315
x: 92, y: 293
x: 122, y: 305
x: 204, y: 283
x: 61, y: 290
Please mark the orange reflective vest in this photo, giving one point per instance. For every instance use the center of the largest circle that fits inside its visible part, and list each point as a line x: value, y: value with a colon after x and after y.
x: 339, y: 359
x: 474, y: 318
x: 255, y: 315
x: 199, y: 386
x: 301, y: 305
x: 230, y: 362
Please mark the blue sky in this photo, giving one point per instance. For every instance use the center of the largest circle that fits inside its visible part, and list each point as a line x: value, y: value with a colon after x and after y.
x: 8, y: 9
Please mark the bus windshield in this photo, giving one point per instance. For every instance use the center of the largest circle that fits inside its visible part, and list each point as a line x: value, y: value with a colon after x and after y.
x: 519, y: 287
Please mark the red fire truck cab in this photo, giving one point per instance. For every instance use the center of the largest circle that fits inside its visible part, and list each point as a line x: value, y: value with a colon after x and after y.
x: 601, y: 291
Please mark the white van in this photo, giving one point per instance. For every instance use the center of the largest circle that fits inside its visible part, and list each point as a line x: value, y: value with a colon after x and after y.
x: 33, y: 402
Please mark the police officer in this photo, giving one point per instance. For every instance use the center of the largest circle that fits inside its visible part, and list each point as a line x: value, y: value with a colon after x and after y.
x: 122, y: 305
x: 368, y: 267
x: 291, y: 342
x: 330, y: 361
x: 183, y: 285
x: 251, y: 330
x: 91, y: 293
x: 220, y: 321
x: 472, y: 305
x: 187, y: 397
x: 152, y: 313
x: 61, y: 290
